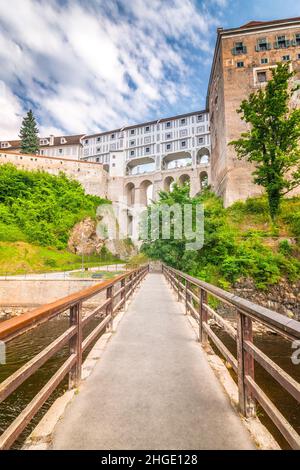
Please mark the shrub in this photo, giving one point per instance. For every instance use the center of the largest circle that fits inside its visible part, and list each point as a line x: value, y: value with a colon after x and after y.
x: 43, y: 207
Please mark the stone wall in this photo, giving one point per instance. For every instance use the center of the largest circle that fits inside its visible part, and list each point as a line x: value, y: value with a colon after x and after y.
x: 92, y: 176
x: 31, y: 292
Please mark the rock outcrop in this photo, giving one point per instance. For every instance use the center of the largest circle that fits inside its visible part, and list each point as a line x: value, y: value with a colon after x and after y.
x: 90, y: 236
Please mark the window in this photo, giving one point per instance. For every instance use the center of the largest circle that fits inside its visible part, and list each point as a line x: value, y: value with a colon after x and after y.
x: 281, y: 42
x: 182, y: 121
x: 297, y: 39
x: 113, y: 157
x: 200, y: 140
x: 168, y: 146
x: 168, y: 124
x: 113, y: 136
x: 239, y: 48
x: 261, y: 77
x: 183, y: 133
x: 98, y: 150
x: 86, y: 141
x: 98, y: 159
x: 147, y: 149
x: 4, y: 144
x: 200, y: 117
x: 262, y: 45
x: 41, y: 152
x: 286, y: 58
x: 298, y: 56
x: 60, y: 150
x: 132, y: 131
x: 201, y: 129
x: 98, y: 139
x: 132, y: 142
x: 183, y: 144
x: 63, y: 140
x: 264, y: 60
x: 147, y: 129
x: 132, y: 153
x: 113, y: 164
x: 147, y: 140
x: 240, y: 65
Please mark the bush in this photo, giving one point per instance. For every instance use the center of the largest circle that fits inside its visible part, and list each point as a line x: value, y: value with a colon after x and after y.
x: 41, y: 207
x: 50, y: 262
x: 11, y: 233
x: 229, y: 253
x: 285, y: 247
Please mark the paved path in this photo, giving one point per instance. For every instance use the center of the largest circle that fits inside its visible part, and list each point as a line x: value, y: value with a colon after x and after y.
x: 58, y: 275
x: 153, y: 387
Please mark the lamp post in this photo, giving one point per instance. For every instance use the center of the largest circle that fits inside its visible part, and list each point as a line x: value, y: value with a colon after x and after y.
x: 82, y: 255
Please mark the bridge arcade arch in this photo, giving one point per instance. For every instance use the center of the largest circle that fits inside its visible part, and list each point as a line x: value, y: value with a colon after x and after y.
x: 168, y: 183
x: 203, y: 156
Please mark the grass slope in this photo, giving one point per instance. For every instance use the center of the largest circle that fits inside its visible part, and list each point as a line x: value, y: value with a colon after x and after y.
x: 22, y: 257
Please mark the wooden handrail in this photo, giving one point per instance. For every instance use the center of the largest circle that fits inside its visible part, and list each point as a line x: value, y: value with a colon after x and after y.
x: 286, y: 326
x: 73, y: 336
x: 15, y: 326
x: 249, y: 391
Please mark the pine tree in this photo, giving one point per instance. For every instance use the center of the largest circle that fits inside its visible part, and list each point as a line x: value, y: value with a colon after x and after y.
x: 29, y: 134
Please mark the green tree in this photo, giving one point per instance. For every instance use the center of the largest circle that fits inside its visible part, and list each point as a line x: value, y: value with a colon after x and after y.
x: 29, y: 134
x: 272, y: 142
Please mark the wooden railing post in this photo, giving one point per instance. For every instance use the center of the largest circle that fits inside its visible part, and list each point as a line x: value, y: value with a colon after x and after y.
x: 186, y: 297
x: 245, y: 365
x: 75, y: 345
x: 109, y: 307
x: 178, y: 287
x: 123, y: 293
x: 203, y: 317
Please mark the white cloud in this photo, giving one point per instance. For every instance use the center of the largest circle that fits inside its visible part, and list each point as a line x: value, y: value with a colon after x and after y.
x: 10, y: 113
x: 88, y: 67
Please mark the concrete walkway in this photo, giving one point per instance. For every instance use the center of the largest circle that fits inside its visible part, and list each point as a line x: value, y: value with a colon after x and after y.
x: 153, y: 387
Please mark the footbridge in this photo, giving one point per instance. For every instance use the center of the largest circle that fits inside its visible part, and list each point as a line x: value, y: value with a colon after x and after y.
x: 144, y: 374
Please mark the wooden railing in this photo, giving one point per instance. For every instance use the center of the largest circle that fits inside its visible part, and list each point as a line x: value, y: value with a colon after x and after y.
x: 194, y: 293
x: 116, y: 292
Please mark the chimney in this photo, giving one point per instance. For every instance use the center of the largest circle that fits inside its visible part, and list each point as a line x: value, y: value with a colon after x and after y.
x: 51, y: 140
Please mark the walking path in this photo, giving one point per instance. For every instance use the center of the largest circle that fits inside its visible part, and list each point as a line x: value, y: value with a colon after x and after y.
x: 153, y: 387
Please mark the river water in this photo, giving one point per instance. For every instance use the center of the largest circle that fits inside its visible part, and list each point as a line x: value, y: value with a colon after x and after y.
x: 22, y: 349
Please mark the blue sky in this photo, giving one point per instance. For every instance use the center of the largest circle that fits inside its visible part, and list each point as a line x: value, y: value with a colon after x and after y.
x: 89, y: 65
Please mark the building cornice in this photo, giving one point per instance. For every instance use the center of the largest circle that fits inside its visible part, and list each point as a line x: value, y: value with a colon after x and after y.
x: 134, y: 126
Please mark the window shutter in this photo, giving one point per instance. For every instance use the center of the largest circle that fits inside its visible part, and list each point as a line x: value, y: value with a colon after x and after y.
x: 244, y: 49
x: 233, y: 51
x: 276, y: 45
x: 257, y: 48
x: 269, y: 46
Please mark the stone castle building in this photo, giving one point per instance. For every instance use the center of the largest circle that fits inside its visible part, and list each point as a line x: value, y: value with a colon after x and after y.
x: 243, y: 60
x: 137, y: 161
x: 67, y: 147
